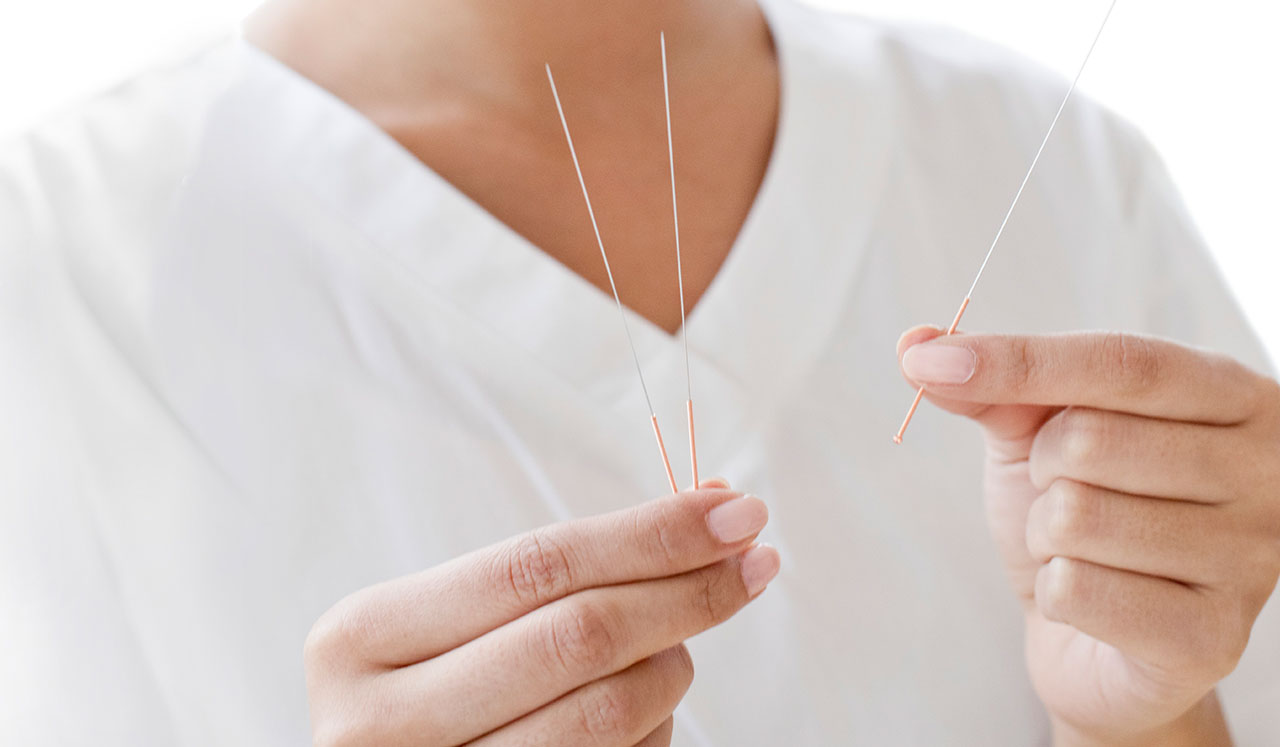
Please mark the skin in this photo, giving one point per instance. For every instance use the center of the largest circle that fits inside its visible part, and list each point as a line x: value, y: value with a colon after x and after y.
x: 568, y: 635
x: 1128, y: 492
x: 461, y: 85
x: 1131, y: 488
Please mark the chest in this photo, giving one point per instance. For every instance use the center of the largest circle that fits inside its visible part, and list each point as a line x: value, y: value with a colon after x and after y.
x: 521, y: 173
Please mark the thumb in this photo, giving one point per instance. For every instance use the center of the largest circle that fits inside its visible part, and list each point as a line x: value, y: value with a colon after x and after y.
x: 1002, y: 423
x: 922, y: 334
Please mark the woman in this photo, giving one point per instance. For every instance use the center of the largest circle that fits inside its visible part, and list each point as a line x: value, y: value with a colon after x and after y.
x: 317, y: 314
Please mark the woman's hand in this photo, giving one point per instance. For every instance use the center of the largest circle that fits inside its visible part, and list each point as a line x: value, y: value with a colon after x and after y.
x: 1133, y: 486
x: 570, y: 634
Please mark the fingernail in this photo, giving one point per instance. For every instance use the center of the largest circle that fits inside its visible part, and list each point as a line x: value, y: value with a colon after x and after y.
x: 929, y: 363
x: 711, y: 484
x: 738, y: 519
x: 759, y: 565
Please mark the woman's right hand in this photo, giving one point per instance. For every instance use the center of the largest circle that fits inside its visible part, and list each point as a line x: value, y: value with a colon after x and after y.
x: 570, y: 634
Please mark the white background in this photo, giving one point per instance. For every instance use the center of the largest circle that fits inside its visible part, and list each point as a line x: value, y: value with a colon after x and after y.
x: 1202, y: 79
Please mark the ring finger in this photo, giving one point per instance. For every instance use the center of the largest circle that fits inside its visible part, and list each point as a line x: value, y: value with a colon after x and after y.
x: 1177, y: 540
x: 632, y: 707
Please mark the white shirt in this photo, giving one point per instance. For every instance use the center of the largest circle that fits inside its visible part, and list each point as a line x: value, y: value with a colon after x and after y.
x: 255, y: 356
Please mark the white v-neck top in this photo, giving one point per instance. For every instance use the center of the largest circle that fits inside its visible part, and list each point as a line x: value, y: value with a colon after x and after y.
x: 255, y: 356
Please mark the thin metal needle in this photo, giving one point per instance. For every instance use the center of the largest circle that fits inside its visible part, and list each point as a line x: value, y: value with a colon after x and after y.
x: 653, y: 417
x: 675, y: 215
x: 1017, y: 196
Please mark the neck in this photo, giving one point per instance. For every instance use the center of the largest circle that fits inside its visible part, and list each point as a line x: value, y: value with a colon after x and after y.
x: 372, y: 52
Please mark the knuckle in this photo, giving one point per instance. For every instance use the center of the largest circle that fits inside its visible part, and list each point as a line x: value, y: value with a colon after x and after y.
x: 537, y: 568
x: 331, y: 735
x: 1058, y: 589
x: 716, y: 593
x: 706, y: 597
x: 1034, y: 534
x: 1263, y: 398
x: 1071, y: 515
x: 345, y: 732
x: 1024, y: 364
x: 1269, y: 549
x: 320, y: 643
x: 658, y: 525
x: 343, y: 630
x: 1263, y: 559
x: 1255, y: 571
x: 1268, y: 392
x: 1135, y: 359
x: 1263, y: 454
x: 609, y: 710
x: 1229, y: 660
x: 1226, y: 641
x: 1082, y: 438
x: 353, y: 717
x: 1232, y: 652
x: 684, y: 665
x: 582, y: 637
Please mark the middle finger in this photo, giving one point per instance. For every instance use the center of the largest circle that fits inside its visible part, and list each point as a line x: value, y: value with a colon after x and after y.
x: 1135, y: 454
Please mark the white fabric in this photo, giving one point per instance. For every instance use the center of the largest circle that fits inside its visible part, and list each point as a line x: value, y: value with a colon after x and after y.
x: 255, y: 356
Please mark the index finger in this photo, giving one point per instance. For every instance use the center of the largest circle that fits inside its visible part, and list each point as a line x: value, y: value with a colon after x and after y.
x: 1104, y: 370
x: 415, y: 617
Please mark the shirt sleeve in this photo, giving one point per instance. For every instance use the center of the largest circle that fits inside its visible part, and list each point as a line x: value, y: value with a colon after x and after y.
x: 1187, y: 299
x: 74, y: 670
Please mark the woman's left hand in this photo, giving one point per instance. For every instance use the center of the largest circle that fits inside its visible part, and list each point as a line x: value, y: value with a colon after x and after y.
x: 1133, y: 487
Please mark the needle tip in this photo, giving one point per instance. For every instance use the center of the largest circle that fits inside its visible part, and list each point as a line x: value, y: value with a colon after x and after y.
x: 897, y: 439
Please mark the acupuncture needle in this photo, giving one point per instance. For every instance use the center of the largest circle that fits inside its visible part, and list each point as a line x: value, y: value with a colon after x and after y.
x: 1017, y: 196
x: 626, y: 327
x: 675, y: 216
